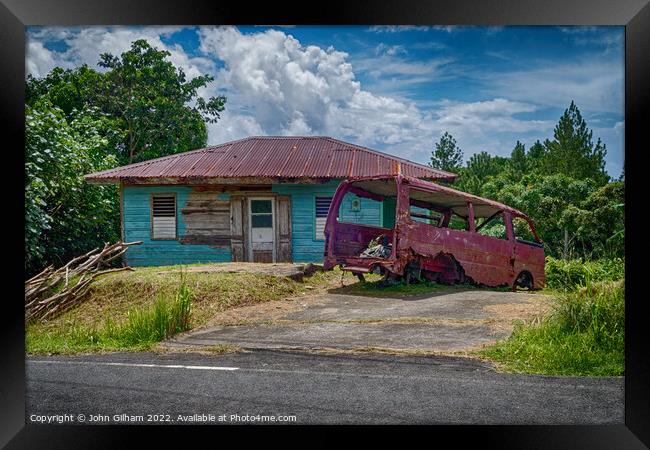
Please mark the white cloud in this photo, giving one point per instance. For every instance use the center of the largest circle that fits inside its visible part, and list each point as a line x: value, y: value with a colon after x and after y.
x: 277, y: 85
x: 447, y: 28
x: 496, y: 114
x: 594, y: 85
x: 231, y: 127
x: 40, y: 60
x: 84, y: 46
x: 391, y: 50
x: 579, y: 29
x: 396, y: 28
x: 619, y: 127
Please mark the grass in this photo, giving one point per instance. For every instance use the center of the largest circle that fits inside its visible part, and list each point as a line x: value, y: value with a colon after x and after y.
x: 134, y: 310
x: 584, y: 335
x: 142, y: 328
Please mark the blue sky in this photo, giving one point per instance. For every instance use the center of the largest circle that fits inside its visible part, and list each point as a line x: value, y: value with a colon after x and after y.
x: 393, y: 88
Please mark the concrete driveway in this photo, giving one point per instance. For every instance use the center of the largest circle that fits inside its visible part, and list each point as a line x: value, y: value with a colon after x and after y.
x: 451, y: 321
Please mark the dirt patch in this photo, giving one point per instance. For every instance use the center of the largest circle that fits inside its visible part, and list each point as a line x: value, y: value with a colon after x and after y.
x: 294, y: 271
x: 277, y: 310
x: 507, y: 314
x: 261, y: 312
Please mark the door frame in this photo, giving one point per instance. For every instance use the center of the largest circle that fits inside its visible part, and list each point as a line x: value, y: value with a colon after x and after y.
x: 249, y: 236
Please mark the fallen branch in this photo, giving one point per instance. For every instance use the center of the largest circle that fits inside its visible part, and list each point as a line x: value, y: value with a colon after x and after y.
x: 53, y: 291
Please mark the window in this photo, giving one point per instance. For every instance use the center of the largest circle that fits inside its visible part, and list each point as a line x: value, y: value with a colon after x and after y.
x: 163, y: 216
x: 493, y: 226
x: 262, y: 213
x: 424, y: 215
x: 322, y: 207
x: 523, y: 232
x: 422, y: 209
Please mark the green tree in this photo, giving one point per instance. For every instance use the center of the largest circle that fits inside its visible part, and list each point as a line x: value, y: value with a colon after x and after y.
x: 480, y: 167
x: 68, y: 89
x: 598, y: 221
x: 447, y: 155
x: 536, y: 154
x: 64, y: 216
x: 152, y: 100
x: 146, y: 106
x: 518, y: 159
x: 572, y: 151
x: 545, y: 199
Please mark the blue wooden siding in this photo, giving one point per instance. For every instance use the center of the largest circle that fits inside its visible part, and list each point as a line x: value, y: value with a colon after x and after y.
x: 137, y: 227
x: 306, y: 247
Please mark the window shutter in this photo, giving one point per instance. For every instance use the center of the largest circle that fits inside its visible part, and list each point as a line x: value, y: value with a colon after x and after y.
x: 163, y: 216
x: 322, y: 208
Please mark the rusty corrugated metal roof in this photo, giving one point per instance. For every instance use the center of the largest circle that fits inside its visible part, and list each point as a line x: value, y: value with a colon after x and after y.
x: 294, y: 158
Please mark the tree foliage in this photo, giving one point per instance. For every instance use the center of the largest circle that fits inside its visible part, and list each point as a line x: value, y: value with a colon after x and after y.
x: 148, y: 106
x: 447, y: 155
x: 137, y: 106
x: 572, y: 151
x: 562, y: 185
x: 64, y: 216
x: 150, y: 98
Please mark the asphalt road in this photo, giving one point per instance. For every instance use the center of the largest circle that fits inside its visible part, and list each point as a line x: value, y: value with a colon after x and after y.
x: 315, y: 388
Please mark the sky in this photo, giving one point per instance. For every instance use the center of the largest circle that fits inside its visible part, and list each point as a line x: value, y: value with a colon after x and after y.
x: 392, y: 88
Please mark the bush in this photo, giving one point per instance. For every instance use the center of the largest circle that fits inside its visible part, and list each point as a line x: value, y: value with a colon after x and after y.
x: 569, y: 275
x: 585, y: 335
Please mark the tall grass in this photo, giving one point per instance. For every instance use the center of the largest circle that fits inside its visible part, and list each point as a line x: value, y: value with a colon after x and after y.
x: 568, y: 275
x: 584, y: 335
x: 164, y: 319
x: 143, y: 327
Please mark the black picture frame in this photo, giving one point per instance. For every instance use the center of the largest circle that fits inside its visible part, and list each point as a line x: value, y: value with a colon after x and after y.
x: 15, y: 15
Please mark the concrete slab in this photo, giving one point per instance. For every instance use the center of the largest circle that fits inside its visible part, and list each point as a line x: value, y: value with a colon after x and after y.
x: 445, y: 321
x: 400, y: 336
x: 463, y: 305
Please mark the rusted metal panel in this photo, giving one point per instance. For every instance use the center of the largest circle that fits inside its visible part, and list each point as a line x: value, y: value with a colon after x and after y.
x: 434, y: 252
x: 293, y: 158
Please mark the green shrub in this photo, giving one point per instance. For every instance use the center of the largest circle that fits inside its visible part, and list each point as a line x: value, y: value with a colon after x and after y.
x: 569, y: 275
x: 597, y: 309
x: 584, y: 335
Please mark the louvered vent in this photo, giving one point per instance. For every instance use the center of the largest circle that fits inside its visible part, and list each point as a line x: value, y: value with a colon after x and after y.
x: 163, y: 216
x: 322, y: 208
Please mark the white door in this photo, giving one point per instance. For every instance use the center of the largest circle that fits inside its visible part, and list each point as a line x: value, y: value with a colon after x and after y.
x: 262, y: 232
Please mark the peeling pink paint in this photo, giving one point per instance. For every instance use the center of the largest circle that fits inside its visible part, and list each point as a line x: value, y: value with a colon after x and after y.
x: 435, y: 253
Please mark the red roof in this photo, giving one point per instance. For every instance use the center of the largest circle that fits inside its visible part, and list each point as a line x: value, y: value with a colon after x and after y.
x: 265, y: 158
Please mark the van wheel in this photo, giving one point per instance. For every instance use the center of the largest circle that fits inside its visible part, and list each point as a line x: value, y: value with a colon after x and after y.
x: 524, y: 281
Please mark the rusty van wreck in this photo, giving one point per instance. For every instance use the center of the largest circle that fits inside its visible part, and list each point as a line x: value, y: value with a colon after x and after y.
x: 434, y: 233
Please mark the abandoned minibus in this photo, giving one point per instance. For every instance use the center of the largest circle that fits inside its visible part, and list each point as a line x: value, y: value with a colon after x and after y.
x: 432, y: 233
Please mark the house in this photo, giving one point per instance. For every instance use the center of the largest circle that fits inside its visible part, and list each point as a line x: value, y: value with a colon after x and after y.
x: 260, y: 199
